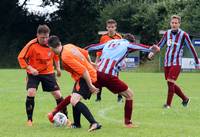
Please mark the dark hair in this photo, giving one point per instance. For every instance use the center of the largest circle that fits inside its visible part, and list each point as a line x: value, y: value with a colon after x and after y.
x: 43, y: 29
x: 111, y: 21
x: 130, y: 37
x: 53, y: 41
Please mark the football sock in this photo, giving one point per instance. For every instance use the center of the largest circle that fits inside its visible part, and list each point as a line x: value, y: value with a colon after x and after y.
x: 119, y: 96
x: 30, y: 103
x: 128, y: 111
x: 62, y: 104
x: 171, y: 90
x: 76, y: 116
x: 62, y: 109
x: 82, y: 108
x: 179, y: 92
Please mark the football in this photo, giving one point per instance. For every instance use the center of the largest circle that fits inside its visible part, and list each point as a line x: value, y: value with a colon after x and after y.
x: 60, y: 119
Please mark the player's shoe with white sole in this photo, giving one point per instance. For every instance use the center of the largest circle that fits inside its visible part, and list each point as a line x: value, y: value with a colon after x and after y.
x: 94, y: 126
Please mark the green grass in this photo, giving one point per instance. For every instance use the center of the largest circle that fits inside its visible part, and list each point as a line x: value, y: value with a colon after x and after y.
x: 149, y: 96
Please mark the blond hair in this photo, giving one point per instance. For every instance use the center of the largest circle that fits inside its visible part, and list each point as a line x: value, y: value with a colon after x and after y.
x: 176, y: 17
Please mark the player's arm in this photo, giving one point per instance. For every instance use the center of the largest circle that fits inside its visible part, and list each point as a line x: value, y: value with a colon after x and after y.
x: 23, y: 57
x: 95, y: 47
x: 140, y: 47
x: 163, y: 41
x: 160, y: 44
x: 145, y: 48
x: 86, y: 54
x: 57, y: 65
x: 154, y: 49
x: 192, y: 50
x: 81, y: 70
x: 87, y: 78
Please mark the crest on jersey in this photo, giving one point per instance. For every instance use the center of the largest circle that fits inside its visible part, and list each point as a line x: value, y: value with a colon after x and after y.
x: 169, y: 42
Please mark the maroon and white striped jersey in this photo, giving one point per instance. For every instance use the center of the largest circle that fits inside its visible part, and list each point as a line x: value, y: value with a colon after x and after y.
x: 113, y: 53
x: 175, y: 44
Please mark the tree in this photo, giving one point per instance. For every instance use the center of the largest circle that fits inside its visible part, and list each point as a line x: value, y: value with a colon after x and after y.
x: 16, y: 27
x: 191, y: 19
x: 133, y: 17
x: 76, y: 21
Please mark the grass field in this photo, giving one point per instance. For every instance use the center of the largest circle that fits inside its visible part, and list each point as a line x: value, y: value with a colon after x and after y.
x: 149, y: 96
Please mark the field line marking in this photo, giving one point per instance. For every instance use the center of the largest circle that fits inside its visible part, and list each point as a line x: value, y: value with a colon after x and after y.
x: 103, y: 114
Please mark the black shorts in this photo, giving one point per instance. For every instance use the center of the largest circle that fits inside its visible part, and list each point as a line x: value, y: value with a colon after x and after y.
x: 48, y: 82
x: 82, y: 88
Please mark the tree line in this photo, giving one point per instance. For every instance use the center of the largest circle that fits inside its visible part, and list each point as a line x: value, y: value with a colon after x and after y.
x: 79, y: 21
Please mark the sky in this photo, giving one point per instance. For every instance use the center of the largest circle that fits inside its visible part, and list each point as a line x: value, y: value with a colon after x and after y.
x: 33, y: 6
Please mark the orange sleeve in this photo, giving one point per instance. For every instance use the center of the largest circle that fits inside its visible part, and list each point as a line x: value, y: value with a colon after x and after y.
x: 56, y: 58
x: 76, y: 66
x: 24, y: 55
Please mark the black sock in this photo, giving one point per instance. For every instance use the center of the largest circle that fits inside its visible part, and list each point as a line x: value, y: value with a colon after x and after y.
x: 64, y: 110
x: 119, y: 96
x: 99, y: 94
x: 85, y: 111
x: 30, y: 103
x: 76, y: 116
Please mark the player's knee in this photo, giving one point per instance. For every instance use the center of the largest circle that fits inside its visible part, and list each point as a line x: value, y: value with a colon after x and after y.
x: 31, y: 92
x: 130, y: 94
x: 74, y: 100
x: 56, y: 94
x: 170, y: 80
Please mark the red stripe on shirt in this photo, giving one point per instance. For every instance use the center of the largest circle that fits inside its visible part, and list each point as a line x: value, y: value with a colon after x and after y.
x: 101, y: 61
x: 105, y: 66
x: 168, y: 50
x: 112, y: 66
x: 174, y: 49
x: 178, y: 54
x: 165, y: 35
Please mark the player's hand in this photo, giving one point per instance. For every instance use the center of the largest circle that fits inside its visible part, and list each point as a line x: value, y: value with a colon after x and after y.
x: 150, y: 55
x: 58, y: 72
x: 155, y: 48
x: 33, y: 70
x: 93, y: 89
